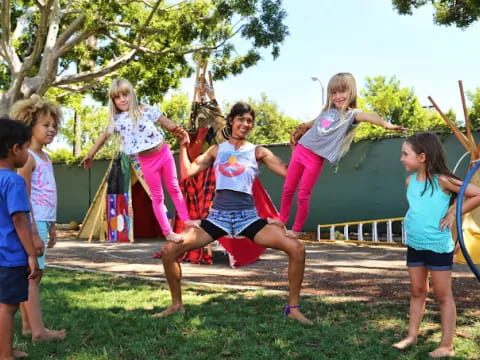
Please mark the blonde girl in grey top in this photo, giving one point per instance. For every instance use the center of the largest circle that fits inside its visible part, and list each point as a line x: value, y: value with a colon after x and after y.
x: 327, y: 137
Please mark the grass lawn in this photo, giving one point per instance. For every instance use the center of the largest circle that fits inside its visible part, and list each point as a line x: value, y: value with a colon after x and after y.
x: 109, y: 318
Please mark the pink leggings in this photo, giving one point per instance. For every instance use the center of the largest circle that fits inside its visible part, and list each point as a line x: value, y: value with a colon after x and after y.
x: 305, y: 167
x: 155, y: 167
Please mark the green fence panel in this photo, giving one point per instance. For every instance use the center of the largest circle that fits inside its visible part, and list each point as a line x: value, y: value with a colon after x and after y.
x: 368, y: 183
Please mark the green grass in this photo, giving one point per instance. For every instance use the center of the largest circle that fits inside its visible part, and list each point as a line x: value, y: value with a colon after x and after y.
x: 109, y: 318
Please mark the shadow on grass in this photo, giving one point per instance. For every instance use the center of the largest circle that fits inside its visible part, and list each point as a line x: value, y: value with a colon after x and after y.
x: 110, y: 318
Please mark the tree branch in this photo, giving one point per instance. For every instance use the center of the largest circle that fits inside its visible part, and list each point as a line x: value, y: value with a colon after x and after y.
x: 119, y: 24
x: 41, y: 34
x: 70, y: 30
x: 143, y: 49
x: 8, y: 51
x: 77, y: 89
x: 147, y: 20
x: 21, y: 22
x: 5, y: 38
x: 65, y: 48
x: 90, y: 75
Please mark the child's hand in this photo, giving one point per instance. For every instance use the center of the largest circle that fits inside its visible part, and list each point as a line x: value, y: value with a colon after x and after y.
x: 448, y: 220
x: 390, y: 126
x: 181, y: 135
x: 33, y: 268
x: 38, y: 244
x: 298, y: 133
x: 87, y: 161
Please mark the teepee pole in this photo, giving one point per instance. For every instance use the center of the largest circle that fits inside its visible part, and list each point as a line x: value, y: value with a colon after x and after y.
x: 460, y: 136
x: 474, y: 154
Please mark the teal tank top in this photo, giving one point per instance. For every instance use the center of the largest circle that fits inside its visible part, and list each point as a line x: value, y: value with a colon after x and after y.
x: 422, y: 221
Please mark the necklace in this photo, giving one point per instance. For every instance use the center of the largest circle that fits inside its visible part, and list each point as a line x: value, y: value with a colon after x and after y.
x: 237, y: 138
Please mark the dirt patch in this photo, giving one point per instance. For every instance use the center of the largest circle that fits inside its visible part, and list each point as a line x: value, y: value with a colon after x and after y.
x: 343, y: 270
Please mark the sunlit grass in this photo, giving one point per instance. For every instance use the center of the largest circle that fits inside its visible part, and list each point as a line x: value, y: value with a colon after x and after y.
x: 110, y: 318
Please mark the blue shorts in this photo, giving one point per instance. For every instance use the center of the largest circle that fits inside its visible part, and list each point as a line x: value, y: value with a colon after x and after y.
x: 43, y: 228
x: 432, y: 260
x: 13, y: 284
x: 234, y: 223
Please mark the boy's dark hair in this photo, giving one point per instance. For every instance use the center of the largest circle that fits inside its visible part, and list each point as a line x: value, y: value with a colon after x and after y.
x: 12, y: 132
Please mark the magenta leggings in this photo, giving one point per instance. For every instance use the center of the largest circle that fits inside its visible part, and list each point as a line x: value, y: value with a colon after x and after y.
x: 305, y: 167
x: 155, y: 167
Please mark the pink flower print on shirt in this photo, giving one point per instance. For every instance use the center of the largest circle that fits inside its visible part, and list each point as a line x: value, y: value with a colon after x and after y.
x: 325, y: 123
x: 43, y: 195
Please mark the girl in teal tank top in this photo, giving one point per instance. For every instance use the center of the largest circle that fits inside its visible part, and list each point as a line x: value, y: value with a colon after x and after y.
x: 431, y: 190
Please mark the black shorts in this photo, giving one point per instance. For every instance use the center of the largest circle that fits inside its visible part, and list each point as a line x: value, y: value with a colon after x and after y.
x: 431, y: 259
x: 250, y: 231
x: 13, y: 285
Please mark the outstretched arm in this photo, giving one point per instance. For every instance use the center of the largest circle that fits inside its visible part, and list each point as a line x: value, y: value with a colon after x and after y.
x: 271, y: 161
x: 377, y: 120
x: 87, y: 161
x: 202, y: 162
x: 179, y: 132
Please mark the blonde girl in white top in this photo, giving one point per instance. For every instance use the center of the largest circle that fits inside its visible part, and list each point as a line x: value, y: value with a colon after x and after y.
x: 136, y: 124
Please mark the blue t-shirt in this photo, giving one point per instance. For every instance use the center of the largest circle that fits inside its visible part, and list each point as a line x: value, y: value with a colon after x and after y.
x: 13, y: 199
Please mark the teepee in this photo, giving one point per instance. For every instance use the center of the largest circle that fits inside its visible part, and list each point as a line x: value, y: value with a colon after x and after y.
x: 121, y: 209
x: 471, y: 220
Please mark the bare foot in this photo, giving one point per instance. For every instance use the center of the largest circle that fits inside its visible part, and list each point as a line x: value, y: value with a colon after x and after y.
x: 172, y: 309
x: 402, y: 344
x: 26, y: 332
x: 292, y: 234
x: 17, y: 354
x: 192, y: 224
x: 297, y: 315
x: 442, y: 352
x: 174, y: 237
x: 51, y: 335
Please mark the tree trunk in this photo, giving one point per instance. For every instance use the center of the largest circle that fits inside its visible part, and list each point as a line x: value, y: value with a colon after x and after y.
x: 77, y: 134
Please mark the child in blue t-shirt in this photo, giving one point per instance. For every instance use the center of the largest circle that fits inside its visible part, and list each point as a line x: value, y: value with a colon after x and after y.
x: 18, y: 258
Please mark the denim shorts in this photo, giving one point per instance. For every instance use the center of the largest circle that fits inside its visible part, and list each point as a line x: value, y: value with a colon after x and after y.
x: 233, y: 222
x: 43, y: 227
x: 431, y: 259
x: 13, y: 284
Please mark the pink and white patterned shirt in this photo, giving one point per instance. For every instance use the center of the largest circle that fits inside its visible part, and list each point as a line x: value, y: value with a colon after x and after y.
x: 145, y: 135
x: 43, y: 194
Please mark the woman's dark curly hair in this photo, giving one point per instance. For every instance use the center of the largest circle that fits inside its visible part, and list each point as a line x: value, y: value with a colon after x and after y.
x: 238, y: 109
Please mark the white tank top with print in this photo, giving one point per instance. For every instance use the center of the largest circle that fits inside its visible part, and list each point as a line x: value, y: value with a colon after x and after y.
x: 43, y: 189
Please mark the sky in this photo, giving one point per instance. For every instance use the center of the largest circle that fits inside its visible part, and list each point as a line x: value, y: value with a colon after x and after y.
x: 366, y: 38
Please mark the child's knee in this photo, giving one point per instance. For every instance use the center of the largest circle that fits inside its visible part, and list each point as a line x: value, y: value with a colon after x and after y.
x: 419, y: 292
x: 171, y: 250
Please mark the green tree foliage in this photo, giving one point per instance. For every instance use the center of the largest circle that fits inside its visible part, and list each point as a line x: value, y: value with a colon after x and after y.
x: 474, y: 113
x: 76, y: 46
x: 271, y: 126
x: 94, y: 122
x: 446, y: 12
x: 396, y: 104
x: 177, y: 107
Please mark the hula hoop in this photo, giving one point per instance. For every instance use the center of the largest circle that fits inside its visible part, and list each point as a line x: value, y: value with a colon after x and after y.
x: 459, y: 220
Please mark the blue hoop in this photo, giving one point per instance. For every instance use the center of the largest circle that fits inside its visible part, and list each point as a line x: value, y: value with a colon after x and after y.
x: 459, y: 220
